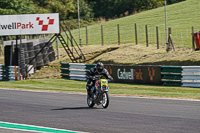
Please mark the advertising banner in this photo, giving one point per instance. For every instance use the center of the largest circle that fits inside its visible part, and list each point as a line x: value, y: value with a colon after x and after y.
x: 135, y: 74
x: 29, y: 24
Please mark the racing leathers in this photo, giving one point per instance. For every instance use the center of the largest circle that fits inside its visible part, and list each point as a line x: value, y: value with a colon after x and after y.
x: 91, y: 74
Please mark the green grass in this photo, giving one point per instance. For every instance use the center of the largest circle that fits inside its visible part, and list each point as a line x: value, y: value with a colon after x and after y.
x: 64, y: 85
x: 180, y: 17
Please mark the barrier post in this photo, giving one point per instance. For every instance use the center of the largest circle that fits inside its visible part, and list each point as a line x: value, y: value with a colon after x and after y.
x: 147, y: 41
x: 102, y: 41
x: 193, y: 47
x: 118, y: 34
x: 136, y: 41
x: 157, y: 37
x: 86, y: 29
x: 16, y: 76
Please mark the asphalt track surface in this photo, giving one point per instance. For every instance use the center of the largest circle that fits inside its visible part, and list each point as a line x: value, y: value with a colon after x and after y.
x: 124, y: 114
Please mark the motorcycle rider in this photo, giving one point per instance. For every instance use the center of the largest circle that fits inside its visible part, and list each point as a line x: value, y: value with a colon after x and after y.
x: 97, y: 70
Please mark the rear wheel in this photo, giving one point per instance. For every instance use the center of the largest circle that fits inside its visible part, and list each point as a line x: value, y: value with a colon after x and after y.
x: 90, y: 102
x: 105, y: 101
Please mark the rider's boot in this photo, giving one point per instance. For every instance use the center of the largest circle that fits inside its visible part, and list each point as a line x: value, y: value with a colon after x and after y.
x: 89, y: 91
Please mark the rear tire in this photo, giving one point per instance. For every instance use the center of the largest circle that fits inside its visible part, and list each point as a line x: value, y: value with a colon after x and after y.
x: 90, y: 102
x: 105, y: 101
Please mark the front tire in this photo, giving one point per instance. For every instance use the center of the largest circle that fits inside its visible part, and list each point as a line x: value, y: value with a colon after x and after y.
x: 90, y: 102
x: 105, y: 100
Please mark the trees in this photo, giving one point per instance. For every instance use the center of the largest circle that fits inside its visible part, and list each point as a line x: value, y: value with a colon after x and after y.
x: 9, y: 7
x: 173, y: 1
x: 86, y: 12
x: 63, y: 7
x: 88, y: 8
x: 113, y: 8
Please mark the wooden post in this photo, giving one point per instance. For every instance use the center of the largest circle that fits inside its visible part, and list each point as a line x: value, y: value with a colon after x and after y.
x: 157, y: 37
x: 193, y: 47
x: 170, y: 31
x: 16, y: 75
x: 102, y: 35
x: 86, y: 35
x: 147, y: 41
x: 170, y: 41
x: 136, y: 34
x: 118, y: 34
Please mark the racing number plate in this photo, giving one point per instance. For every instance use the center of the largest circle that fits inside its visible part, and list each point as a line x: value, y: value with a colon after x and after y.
x: 104, y: 82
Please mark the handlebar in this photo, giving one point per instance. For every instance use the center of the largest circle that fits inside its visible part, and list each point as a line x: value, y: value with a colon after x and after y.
x: 96, y: 77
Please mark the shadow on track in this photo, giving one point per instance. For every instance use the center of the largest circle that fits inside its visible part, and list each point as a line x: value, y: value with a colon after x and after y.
x: 77, y: 108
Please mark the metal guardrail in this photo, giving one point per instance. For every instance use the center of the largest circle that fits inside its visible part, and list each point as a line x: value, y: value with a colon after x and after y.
x: 191, y: 76
x: 75, y: 71
x: 9, y: 73
x: 120, y: 73
x: 171, y: 75
x: 188, y: 76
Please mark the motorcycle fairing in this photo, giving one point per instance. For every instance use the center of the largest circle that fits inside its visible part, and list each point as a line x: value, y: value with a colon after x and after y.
x: 97, y: 84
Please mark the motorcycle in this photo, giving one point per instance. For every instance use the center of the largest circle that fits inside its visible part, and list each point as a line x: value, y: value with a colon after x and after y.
x: 99, y: 93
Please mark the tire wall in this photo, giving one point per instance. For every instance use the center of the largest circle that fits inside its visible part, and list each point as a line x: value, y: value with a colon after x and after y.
x: 46, y: 56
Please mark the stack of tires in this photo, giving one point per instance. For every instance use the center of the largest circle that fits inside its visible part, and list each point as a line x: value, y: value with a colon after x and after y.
x: 31, y: 54
x: 46, y: 56
x: 39, y: 57
x: 7, y: 50
x: 43, y: 58
x: 51, y: 52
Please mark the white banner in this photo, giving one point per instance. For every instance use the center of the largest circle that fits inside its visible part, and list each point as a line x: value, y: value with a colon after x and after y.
x: 29, y: 24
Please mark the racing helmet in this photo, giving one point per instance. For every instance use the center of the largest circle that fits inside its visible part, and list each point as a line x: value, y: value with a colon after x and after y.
x: 99, y: 67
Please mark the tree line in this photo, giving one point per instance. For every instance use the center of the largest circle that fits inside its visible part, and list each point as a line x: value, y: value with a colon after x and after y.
x: 89, y: 9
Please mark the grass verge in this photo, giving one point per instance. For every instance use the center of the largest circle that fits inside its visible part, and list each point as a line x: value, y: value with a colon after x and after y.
x: 64, y: 85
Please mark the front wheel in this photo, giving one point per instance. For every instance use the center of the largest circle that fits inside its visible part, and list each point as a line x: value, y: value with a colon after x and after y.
x: 90, y: 102
x: 105, y: 100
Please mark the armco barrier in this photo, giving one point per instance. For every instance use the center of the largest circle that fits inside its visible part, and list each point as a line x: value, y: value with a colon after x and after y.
x: 9, y: 73
x: 75, y: 71
x: 165, y: 75
x: 191, y: 76
x: 171, y: 75
x: 181, y: 76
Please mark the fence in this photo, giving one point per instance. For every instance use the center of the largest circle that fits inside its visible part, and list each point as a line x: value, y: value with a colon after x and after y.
x: 187, y: 76
x: 9, y: 73
x: 134, y: 33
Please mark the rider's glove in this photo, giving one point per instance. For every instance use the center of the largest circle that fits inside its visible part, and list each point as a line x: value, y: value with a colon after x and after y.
x: 91, y: 77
